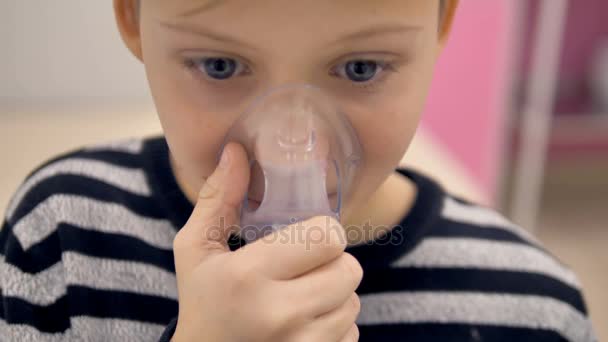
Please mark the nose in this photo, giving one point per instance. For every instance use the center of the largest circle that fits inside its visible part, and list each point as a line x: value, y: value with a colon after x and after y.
x: 296, y: 130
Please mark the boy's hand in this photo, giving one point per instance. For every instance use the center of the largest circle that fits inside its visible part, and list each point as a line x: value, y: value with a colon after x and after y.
x: 302, y: 289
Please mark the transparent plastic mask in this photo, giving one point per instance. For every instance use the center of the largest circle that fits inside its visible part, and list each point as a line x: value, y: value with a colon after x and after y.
x: 303, y: 154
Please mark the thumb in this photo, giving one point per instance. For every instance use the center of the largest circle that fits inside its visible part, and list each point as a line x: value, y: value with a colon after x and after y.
x: 215, y: 214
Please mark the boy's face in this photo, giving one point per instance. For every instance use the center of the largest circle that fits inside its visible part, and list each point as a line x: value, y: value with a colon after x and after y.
x: 207, y: 60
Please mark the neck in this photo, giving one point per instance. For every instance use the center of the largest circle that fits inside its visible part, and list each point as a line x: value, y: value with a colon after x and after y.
x: 385, y: 208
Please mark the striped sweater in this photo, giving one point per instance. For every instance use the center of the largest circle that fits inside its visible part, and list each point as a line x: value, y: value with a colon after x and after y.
x: 86, y: 255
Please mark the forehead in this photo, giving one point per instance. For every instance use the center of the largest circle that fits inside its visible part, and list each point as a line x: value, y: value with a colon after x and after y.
x: 330, y: 13
x: 284, y: 28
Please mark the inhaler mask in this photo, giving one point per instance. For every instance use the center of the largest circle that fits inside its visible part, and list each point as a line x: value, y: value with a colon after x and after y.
x: 303, y: 154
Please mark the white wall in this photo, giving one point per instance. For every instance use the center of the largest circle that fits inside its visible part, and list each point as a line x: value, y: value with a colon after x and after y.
x: 65, y: 80
x: 65, y: 53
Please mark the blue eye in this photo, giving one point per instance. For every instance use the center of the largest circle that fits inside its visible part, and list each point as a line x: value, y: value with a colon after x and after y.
x: 361, y: 70
x: 219, y: 68
x: 364, y: 73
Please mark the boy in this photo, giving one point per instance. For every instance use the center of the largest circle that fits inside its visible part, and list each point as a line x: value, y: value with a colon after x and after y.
x: 103, y: 243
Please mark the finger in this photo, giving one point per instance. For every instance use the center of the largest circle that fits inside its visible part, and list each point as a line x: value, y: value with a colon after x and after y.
x: 326, y: 287
x: 352, y: 335
x: 296, y: 249
x: 215, y: 214
x: 335, y: 325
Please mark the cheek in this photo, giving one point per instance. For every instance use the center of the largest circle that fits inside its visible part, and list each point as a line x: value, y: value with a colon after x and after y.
x: 386, y: 123
x: 385, y: 139
x: 385, y: 129
x: 193, y: 127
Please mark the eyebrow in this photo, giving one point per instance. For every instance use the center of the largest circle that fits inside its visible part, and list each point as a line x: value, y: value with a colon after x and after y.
x: 391, y: 28
x: 221, y: 38
x: 394, y: 28
x: 205, y: 7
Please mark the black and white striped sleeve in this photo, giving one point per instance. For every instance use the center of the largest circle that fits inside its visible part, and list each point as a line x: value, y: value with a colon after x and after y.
x: 85, y: 254
x: 33, y: 298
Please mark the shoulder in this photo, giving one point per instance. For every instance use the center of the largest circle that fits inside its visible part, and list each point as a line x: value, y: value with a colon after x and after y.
x: 82, y: 187
x: 79, y: 225
x: 498, y: 265
x: 485, y: 232
x: 76, y: 172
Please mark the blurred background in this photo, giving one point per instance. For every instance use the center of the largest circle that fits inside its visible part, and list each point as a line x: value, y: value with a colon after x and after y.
x: 517, y: 118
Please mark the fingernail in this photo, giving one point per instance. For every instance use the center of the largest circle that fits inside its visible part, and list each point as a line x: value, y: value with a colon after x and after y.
x: 225, y: 159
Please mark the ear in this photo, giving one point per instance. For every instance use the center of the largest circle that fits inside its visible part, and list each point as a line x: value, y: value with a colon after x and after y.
x: 447, y: 19
x: 127, y: 19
